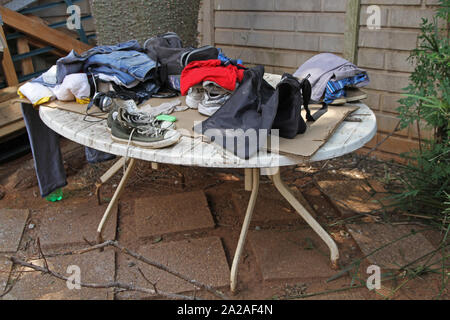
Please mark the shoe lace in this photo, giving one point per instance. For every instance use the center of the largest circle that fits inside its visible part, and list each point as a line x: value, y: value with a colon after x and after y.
x: 133, y: 120
x: 141, y: 123
x: 151, y: 130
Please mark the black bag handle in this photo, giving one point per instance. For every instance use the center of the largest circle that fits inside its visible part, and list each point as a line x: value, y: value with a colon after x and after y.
x: 306, y: 93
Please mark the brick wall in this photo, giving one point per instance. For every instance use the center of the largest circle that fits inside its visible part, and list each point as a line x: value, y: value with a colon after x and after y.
x: 384, y: 54
x: 282, y: 34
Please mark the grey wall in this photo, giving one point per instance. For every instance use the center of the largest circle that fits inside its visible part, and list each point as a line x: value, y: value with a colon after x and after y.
x: 279, y: 34
x: 119, y: 20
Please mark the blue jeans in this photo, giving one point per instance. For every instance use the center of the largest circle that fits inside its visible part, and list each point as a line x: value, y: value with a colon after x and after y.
x: 74, y: 62
x: 125, y: 78
x: 137, y: 64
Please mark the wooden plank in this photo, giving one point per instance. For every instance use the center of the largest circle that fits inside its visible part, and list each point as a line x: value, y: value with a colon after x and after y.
x: 352, y: 18
x: 8, y: 93
x: 208, y: 34
x: 11, y: 128
x: 38, y: 44
x: 18, y: 5
x: 27, y: 64
x: 42, y: 32
x: 7, y: 63
x: 9, y: 113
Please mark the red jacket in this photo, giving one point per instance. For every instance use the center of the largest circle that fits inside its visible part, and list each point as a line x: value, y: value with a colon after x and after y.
x: 210, y: 70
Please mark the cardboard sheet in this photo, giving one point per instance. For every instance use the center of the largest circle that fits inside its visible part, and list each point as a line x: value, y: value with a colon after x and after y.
x: 304, y: 145
x: 318, y: 132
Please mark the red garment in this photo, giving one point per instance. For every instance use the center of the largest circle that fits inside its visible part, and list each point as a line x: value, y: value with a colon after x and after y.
x: 210, y: 70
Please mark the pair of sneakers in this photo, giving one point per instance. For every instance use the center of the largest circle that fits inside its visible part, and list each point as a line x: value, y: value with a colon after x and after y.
x: 207, y: 98
x: 130, y: 126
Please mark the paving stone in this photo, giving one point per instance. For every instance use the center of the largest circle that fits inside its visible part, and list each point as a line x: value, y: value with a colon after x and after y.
x: 183, y: 212
x: 5, y: 270
x: 200, y: 259
x: 270, y: 207
x: 350, y: 195
x: 12, y: 223
x: 96, y: 267
x: 69, y: 225
x: 373, y: 236
x: 299, y: 254
x: 334, y: 290
x: 350, y: 295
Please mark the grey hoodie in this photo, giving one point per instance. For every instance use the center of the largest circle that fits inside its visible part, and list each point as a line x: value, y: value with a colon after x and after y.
x: 325, y: 67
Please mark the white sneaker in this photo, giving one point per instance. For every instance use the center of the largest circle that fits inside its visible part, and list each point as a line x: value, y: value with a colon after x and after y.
x: 194, y: 97
x: 214, y: 98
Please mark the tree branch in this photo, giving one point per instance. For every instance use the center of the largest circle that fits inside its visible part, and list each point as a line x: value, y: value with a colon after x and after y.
x: 116, y: 285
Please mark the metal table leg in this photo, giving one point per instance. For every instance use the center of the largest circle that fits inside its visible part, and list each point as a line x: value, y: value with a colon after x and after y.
x: 248, y: 218
x: 253, y: 175
x: 108, y: 175
x: 286, y: 193
x: 114, y: 199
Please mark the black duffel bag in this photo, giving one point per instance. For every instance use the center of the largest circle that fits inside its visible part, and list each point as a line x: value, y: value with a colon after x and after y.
x: 256, y: 105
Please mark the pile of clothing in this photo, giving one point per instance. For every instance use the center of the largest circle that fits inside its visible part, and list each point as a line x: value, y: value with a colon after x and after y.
x: 236, y: 100
x: 334, y: 80
x: 116, y: 79
x: 162, y: 68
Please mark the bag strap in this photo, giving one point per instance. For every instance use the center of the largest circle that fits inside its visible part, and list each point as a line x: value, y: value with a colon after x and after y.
x: 306, y: 94
x: 234, y: 63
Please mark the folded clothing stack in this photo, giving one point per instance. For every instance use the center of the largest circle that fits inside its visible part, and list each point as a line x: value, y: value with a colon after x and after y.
x: 333, y: 79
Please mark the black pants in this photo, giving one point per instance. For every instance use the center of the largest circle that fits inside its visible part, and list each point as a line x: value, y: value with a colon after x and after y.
x: 47, y: 156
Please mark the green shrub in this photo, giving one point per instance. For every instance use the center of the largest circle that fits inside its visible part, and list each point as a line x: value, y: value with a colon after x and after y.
x: 427, y: 105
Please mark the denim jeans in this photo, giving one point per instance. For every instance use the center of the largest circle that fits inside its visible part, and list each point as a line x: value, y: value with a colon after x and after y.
x: 124, y: 78
x: 137, y: 64
x: 74, y: 62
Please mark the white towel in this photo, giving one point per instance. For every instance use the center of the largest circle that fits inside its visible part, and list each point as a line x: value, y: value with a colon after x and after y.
x: 74, y: 87
x: 36, y: 93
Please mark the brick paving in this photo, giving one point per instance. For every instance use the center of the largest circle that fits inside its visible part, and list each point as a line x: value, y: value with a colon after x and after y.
x: 5, y: 270
x: 372, y: 236
x: 176, y: 213
x: 350, y: 196
x: 12, y: 224
x: 266, y: 211
x: 61, y: 226
x: 95, y: 267
x: 200, y: 259
x: 274, y: 256
x: 291, y: 254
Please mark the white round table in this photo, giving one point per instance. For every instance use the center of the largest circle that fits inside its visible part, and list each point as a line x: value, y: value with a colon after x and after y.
x: 348, y: 137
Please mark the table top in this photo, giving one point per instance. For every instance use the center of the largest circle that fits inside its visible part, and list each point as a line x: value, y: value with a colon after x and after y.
x: 348, y: 137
